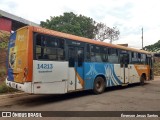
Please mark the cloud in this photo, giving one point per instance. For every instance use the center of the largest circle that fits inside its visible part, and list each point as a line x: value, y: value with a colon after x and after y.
x: 10, y: 6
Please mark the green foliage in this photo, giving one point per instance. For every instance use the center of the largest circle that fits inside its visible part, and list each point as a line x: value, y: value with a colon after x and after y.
x: 3, y: 44
x: 5, y: 89
x: 153, y: 48
x: 4, y: 38
x: 4, y: 35
x: 81, y: 26
x: 73, y: 24
x: 157, y: 66
x: 2, y: 72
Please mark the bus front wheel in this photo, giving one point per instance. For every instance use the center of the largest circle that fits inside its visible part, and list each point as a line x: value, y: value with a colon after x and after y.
x: 99, y: 85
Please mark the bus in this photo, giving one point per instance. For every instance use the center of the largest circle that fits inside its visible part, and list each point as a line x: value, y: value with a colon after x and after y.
x: 43, y: 61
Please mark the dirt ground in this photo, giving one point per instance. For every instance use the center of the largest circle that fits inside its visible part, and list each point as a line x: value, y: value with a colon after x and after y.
x: 130, y: 98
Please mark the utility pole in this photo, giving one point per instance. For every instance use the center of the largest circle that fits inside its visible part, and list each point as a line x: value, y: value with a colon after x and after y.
x: 142, y: 37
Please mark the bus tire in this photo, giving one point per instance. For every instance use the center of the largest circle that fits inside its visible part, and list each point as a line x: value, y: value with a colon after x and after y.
x: 99, y: 85
x: 142, y: 79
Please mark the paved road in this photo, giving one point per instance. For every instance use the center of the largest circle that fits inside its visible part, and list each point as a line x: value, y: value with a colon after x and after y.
x: 131, y: 98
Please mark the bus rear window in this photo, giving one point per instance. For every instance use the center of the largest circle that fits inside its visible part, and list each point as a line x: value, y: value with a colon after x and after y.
x: 49, y: 48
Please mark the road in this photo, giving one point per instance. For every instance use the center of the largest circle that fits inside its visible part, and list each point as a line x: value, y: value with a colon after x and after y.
x: 130, y: 98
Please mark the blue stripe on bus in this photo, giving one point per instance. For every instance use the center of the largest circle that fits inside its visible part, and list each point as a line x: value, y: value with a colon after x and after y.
x: 12, y: 40
x: 119, y: 82
x: 91, y: 70
x: 10, y: 75
x: 10, y: 45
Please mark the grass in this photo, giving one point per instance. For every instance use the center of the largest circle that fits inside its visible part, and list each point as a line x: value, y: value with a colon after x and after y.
x: 3, y: 72
x: 5, y: 89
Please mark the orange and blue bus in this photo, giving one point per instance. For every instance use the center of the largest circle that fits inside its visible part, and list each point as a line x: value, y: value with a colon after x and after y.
x: 42, y: 61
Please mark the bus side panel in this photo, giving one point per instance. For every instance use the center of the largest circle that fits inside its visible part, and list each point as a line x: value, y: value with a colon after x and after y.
x: 109, y: 71
x: 113, y: 71
x: 133, y: 74
x: 142, y: 69
x: 119, y: 73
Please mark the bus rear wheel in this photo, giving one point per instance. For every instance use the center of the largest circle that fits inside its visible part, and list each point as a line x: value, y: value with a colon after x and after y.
x: 142, y: 79
x: 99, y: 85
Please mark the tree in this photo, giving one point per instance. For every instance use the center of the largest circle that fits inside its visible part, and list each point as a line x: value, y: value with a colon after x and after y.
x: 72, y: 24
x: 105, y: 32
x: 153, y: 48
x: 81, y: 26
x: 4, y: 38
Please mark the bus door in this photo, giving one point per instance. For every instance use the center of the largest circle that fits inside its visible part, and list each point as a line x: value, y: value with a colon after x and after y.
x: 150, y: 63
x: 76, y: 70
x: 124, y: 61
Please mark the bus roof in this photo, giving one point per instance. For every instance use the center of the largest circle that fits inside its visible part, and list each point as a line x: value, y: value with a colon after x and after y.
x: 82, y: 39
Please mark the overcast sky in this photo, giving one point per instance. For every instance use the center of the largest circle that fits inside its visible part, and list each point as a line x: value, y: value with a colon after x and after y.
x: 128, y: 15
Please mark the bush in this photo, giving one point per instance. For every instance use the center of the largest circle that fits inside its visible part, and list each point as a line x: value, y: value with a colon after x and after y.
x: 5, y: 89
x: 2, y: 72
x: 157, y: 69
x: 157, y: 66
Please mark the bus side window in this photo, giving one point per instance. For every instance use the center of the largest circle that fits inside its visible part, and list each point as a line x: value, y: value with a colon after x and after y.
x: 104, y: 54
x: 98, y: 54
x: 93, y: 56
x: 113, y: 55
x: 134, y: 58
x: 88, y: 59
x: 143, y: 58
x: 80, y: 57
x: 124, y: 59
x: 139, y: 57
x: 71, y: 56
